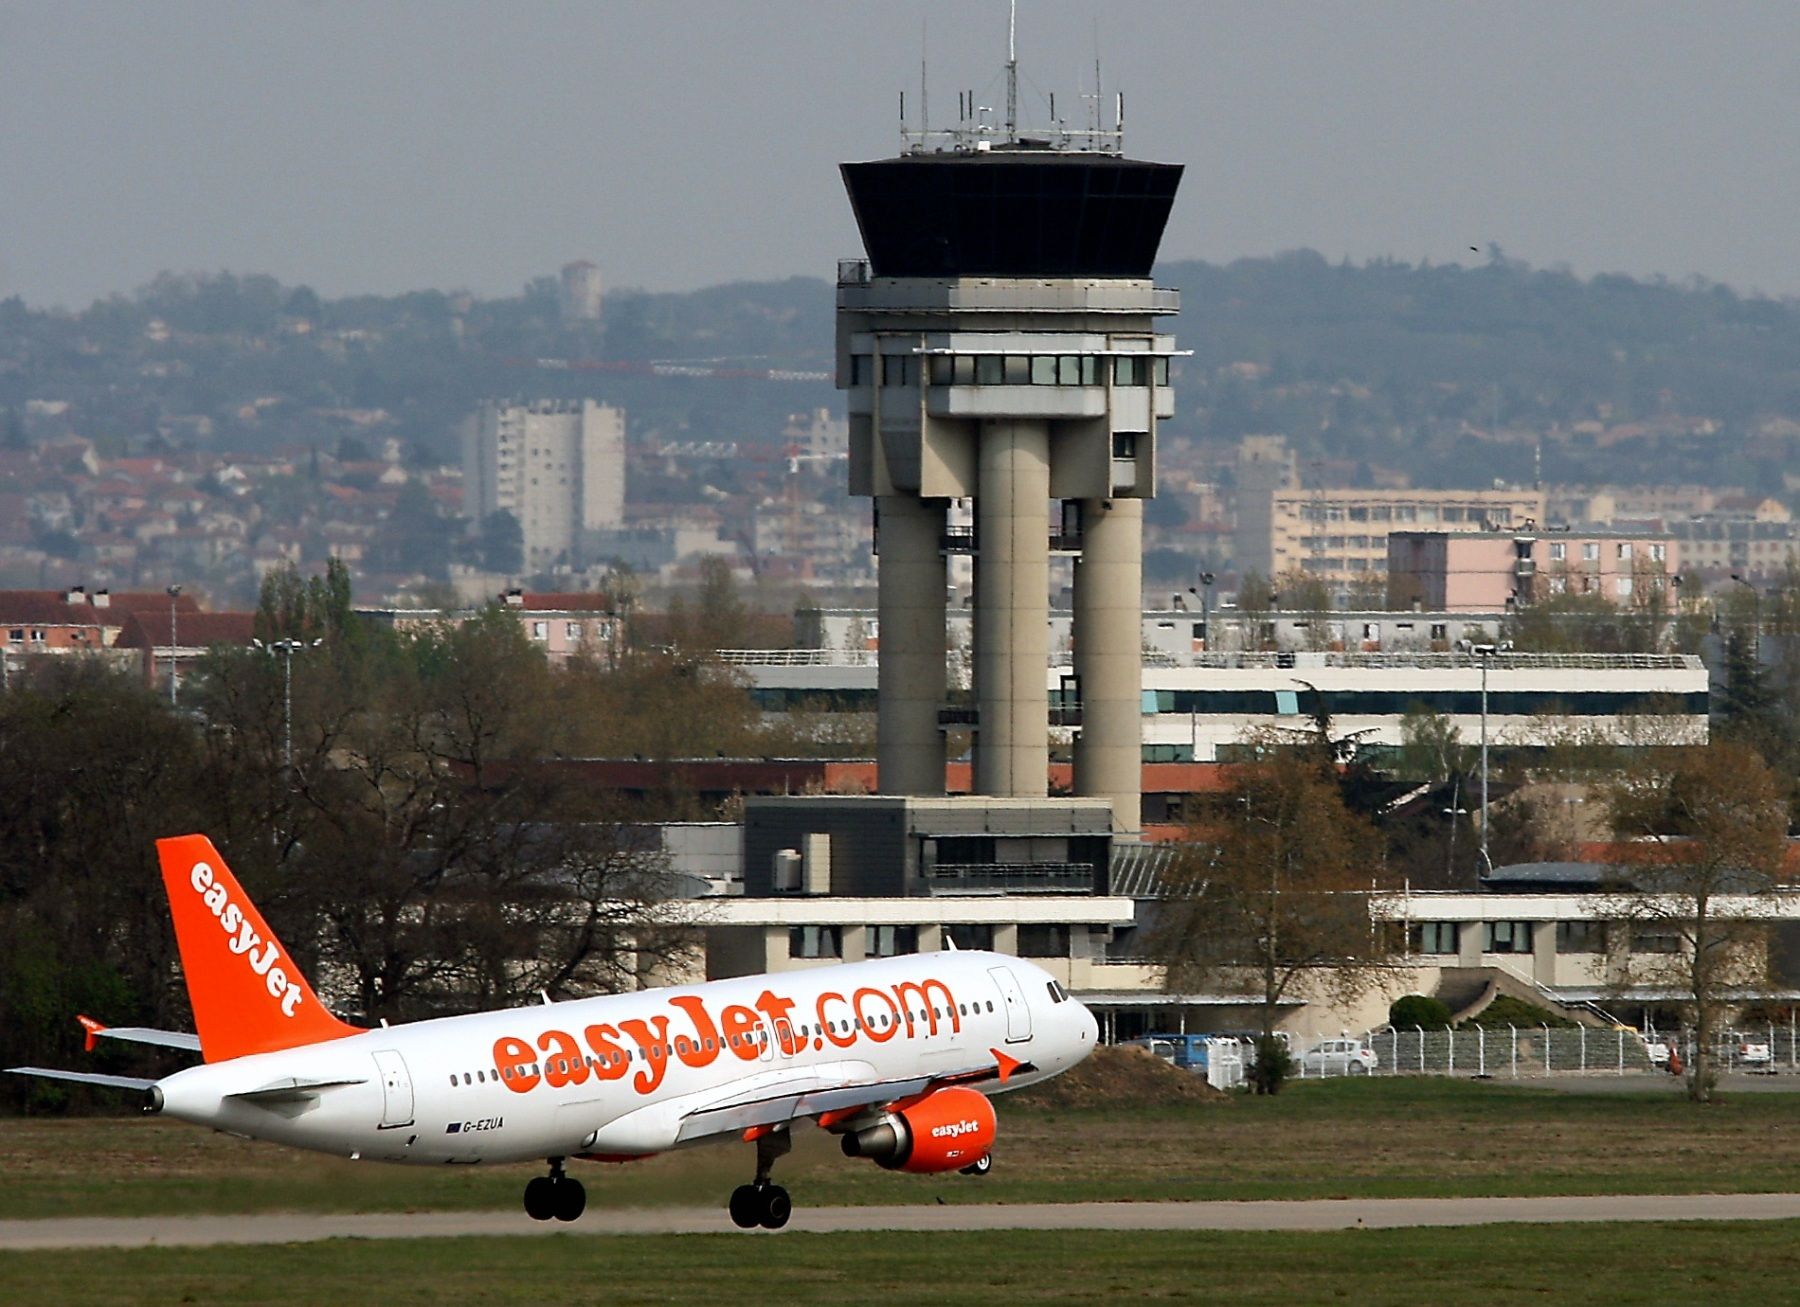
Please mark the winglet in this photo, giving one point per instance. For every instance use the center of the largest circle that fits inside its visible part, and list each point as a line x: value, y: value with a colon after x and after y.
x: 247, y: 994
x: 1005, y: 1065
x: 93, y: 1029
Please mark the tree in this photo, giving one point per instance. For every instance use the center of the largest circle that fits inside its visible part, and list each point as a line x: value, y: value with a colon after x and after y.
x: 93, y: 769
x: 1703, y: 833
x: 1271, y: 893
x: 430, y: 853
x: 501, y: 544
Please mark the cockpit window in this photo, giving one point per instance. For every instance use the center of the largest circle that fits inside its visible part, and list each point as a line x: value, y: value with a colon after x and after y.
x: 1057, y: 992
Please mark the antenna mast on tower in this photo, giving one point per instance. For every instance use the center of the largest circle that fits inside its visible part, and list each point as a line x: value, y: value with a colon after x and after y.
x: 1012, y: 72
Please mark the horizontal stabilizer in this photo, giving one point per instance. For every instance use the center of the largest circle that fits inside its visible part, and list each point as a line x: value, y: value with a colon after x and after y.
x: 291, y: 1089
x: 82, y: 1077
x: 186, y: 1042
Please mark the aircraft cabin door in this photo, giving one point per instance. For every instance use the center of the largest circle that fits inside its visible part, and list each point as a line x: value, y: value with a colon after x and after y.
x: 1018, y: 1012
x: 396, y: 1090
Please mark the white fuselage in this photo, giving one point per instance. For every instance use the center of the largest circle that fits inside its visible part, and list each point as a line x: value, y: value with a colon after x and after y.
x: 631, y: 1074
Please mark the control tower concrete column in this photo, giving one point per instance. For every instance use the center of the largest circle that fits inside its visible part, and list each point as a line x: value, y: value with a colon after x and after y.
x: 912, y: 676
x: 1109, y: 578
x: 1012, y: 609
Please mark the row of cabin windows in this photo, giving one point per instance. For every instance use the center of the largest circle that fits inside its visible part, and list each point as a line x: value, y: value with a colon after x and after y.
x: 1036, y: 940
x: 562, y: 1065
x: 1443, y: 937
x: 1011, y: 369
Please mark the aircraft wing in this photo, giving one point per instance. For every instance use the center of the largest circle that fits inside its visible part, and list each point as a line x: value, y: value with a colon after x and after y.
x: 831, y: 1091
x: 81, y: 1077
x: 186, y: 1042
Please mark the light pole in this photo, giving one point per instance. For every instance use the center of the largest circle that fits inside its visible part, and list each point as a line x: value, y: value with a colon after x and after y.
x: 174, y: 593
x: 287, y: 649
x: 1206, y: 585
x: 1484, y: 652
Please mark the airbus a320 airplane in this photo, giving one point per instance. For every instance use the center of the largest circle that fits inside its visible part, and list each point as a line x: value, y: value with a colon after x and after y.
x: 896, y: 1056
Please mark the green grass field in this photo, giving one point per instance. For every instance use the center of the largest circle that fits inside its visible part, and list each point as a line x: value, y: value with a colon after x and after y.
x: 1723, y: 1265
x: 1348, y: 1138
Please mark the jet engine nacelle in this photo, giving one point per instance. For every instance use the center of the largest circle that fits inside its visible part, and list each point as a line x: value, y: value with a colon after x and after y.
x: 944, y: 1131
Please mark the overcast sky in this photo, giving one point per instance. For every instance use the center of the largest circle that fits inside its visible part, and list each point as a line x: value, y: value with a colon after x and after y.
x: 381, y: 146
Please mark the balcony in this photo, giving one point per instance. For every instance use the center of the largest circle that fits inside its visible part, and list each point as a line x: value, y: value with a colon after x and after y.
x: 1012, y: 877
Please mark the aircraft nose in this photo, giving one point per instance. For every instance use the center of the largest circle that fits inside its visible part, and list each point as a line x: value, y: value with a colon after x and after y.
x: 1087, y: 1028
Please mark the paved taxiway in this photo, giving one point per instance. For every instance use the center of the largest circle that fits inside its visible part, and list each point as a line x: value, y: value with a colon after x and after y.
x: 1333, y: 1214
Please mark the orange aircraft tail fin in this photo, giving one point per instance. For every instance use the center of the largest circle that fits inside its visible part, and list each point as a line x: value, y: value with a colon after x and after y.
x: 247, y: 993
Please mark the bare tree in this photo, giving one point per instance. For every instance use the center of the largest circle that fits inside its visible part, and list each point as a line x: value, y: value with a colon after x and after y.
x: 1703, y: 833
x: 1271, y: 893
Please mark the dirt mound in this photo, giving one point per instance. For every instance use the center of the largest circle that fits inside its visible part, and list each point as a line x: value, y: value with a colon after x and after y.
x: 1120, y: 1077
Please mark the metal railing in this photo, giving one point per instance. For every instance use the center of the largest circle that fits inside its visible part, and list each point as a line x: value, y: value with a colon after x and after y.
x: 1033, y: 877
x: 1517, y: 1052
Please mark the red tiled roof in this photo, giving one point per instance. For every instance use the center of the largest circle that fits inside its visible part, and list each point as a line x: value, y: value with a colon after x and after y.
x: 573, y: 601
x: 150, y: 630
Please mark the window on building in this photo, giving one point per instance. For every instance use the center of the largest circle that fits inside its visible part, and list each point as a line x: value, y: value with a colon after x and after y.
x: 540, y: 630
x: 1125, y: 444
x: 1590, y: 551
x: 1623, y: 586
x: 1433, y: 937
x: 971, y: 936
x: 1559, y: 585
x: 1659, y: 553
x: 891, y: 941
x: 1656, y: 940
x: 941, y: 370
x: 1506, y: 937
x: 1159, y: 371
x: 1068, y: 370
x: 1017, y: 370
x: 1440, y: 630
x: 1043, y: 370
x: 1128, y: 370
x: 572, y: 632
x: 1038, y: 940
x: 990, y: 369
x: 1624, y: 551
x: 1581, y: 937
x: 815, y: 942
x: 1558, y: 551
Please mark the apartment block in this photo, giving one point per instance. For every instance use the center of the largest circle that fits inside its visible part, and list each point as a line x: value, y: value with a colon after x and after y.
x: 557, y: 466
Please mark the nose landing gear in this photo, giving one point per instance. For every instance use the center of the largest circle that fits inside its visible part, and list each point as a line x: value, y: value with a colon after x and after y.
x: 762, y: 1202
x: 555, y: 1195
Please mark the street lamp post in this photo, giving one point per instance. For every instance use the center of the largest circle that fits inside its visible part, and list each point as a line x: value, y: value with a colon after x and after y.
x: 174, y: 593
x: 1206, y: 585
x: 287, y: 649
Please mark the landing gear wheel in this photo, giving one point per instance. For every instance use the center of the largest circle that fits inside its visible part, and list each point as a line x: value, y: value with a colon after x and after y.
x: 745, y: 1207
x: 569, y: 1198
x: 774, y: 1207
x: 980, y: 1166
x: 540, y: 1198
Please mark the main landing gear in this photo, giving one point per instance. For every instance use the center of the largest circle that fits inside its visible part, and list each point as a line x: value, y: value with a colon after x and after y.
x: 763, y: 1202
x: 980, y: 1166
x: 555, y: 1195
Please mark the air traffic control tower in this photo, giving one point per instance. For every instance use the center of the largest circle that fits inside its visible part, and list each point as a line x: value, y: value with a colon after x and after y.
x: 998, y: 344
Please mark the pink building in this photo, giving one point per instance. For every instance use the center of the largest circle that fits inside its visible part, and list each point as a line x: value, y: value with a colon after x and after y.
x: 1487, y: 571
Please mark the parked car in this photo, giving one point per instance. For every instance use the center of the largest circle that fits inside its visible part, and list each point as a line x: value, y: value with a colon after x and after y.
x: 1189, y: 1052
x: 1338, y: 1057
x: 1754, y: 1054
x: 1656, y: 1047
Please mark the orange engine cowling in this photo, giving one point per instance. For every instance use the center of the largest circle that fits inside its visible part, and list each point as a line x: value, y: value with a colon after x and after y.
x: 944, y: 1131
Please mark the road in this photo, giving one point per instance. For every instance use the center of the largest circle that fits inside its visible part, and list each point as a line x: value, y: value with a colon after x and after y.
x: 1340, y: 1214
